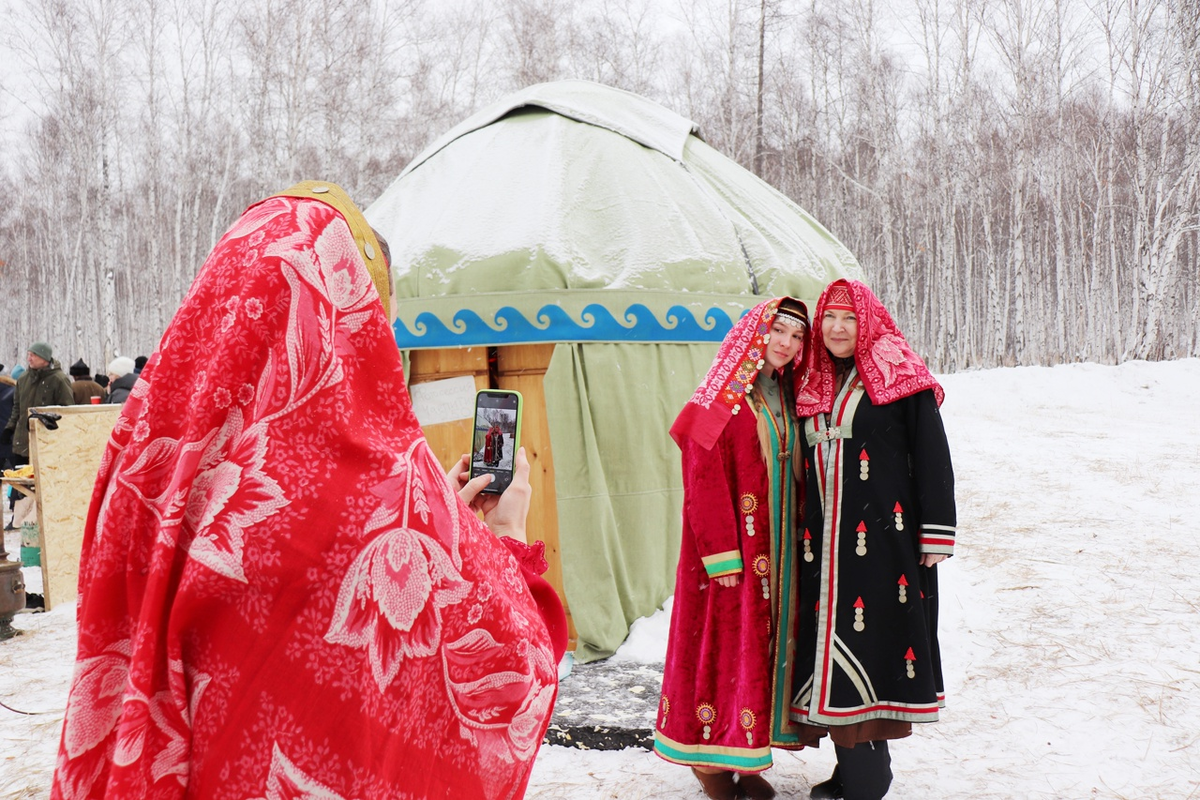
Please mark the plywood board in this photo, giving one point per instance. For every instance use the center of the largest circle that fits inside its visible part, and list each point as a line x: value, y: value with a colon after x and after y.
x: 65, y: 462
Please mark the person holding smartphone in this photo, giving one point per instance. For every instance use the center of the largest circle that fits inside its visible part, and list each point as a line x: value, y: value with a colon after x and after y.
x: 280, y: 592
x: 727, y: 679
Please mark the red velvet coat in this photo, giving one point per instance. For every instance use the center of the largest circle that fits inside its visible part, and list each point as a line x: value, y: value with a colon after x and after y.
x: 727, y: 677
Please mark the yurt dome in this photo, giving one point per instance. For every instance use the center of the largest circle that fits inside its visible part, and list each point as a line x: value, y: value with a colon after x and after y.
x: 585, y: 245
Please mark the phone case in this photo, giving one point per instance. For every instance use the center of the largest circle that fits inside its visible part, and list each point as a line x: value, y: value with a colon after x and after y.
x: 516, y: 443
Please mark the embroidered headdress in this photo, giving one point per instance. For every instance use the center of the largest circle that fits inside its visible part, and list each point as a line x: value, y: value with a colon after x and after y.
x: 792, y: 312
x: 889, y: 368
x: 740, y: 358
x: 838, y: 297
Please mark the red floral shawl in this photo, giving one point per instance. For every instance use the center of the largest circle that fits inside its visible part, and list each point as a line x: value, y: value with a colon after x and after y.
x: 280, y: 596
x: 889, y: 368
x: 738, y: 362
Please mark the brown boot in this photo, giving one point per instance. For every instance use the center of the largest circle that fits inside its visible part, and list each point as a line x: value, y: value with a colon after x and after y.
x: 754, y: 786
x: 717, y: 785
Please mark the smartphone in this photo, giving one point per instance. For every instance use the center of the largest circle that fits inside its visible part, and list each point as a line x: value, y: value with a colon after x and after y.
x: 497, y: 436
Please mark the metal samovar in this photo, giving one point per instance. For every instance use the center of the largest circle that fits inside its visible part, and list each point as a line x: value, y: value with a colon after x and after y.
x: 12, y: 592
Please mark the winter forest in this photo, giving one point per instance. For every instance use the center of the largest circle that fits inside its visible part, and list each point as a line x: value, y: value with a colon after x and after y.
x: 1020, y: 179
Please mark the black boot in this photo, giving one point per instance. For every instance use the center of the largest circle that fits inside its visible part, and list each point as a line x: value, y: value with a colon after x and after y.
x: 868, y: 770
x: 828, y: 790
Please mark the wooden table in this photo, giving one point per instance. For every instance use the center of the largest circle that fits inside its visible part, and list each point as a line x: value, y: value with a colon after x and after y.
x: 23, y: 485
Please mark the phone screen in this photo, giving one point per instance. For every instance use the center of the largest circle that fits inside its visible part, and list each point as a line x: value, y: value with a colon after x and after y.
x: 497, y: 430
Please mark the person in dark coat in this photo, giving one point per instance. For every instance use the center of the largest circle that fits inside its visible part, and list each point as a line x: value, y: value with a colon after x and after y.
x: 879, y: 515
x: 121, y: 378
x: 8, y: 393
x: 43, y: 384
x: 82, y: 386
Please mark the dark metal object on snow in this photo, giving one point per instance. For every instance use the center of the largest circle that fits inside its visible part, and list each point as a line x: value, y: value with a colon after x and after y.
x: 12, y: 592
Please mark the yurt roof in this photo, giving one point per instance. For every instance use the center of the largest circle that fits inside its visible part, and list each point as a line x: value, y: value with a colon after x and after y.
x: 572, y: 211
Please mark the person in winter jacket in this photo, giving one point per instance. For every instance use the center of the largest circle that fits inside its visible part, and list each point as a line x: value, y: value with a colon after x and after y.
x: 43, y: 384
x: 121, y: 378
x: 82, y: 385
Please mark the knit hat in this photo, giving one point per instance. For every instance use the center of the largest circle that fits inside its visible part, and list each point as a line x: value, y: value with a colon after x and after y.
x: 18, y: 371
x: 42, y: 351
x: 80, y: 370
x: 102, y: 379
x: 120, y: 366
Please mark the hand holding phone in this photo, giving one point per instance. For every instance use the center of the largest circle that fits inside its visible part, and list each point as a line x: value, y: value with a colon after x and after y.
x: 504, y: 514
x: 497, y: 436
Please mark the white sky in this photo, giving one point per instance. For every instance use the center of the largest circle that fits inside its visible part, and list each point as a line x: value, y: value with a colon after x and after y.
x: 19, y: 100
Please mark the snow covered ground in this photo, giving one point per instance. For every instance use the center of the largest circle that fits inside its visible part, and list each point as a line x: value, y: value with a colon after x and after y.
x: 1070, y: 615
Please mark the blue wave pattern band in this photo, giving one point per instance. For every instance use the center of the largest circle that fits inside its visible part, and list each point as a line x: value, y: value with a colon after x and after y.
x: 553, y: 324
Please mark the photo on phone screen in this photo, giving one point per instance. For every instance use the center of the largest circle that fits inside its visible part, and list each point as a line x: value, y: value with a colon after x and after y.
x: 497, y: 436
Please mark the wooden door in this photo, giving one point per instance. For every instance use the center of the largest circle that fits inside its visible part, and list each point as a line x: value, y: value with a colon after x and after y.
x: 449, y: 440
x: 519, y: 367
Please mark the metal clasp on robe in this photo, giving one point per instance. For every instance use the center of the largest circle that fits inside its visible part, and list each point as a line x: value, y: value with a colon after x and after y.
x: 829, y: 434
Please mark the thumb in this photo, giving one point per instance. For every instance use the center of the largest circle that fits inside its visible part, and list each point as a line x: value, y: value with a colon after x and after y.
x: 473, y: 487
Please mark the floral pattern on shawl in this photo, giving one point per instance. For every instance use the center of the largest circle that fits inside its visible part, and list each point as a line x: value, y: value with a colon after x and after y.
x: 392, y: 597
x: 101, y: 678
x: 738, y: 361
x: 215, y: 489
x: 168, y: 713
x: 889, y: 368
x: 288, y: 782
x: 269, y: 530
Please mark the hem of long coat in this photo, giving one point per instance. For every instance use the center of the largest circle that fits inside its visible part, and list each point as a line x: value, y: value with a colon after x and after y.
x: 749, y: 759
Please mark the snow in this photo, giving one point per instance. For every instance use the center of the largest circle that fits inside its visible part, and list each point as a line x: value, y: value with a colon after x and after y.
x: 1070, y: 614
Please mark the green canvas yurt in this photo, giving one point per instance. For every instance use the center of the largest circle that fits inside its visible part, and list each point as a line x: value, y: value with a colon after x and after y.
x: 585, y: 246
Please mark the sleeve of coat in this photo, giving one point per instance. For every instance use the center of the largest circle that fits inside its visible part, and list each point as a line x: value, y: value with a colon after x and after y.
x: 531, y: 558
x: 708, y: 508
x: 934, y: 475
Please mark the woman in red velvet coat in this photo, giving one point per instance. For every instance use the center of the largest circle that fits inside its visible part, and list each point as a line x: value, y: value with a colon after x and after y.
x: 727, y: 680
